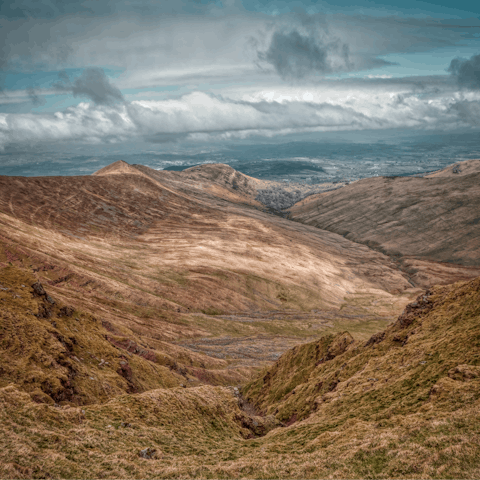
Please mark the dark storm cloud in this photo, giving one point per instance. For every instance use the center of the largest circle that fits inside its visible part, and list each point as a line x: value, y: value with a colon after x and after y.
x: 295, y: 55
x: 303, y: 45
x: 467, y: 111
x: 36, y: 100
x: 93, y: 84
x: 466, y: 71
x: 188, y: 36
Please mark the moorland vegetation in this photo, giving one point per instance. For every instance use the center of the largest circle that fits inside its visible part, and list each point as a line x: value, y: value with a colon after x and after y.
x: 162, y: 324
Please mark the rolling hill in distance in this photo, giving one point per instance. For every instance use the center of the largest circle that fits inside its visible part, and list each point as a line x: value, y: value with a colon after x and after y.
x: 196, y: 323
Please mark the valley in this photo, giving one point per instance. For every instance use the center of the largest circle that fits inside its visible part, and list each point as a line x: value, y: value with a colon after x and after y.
x: 173, y: 311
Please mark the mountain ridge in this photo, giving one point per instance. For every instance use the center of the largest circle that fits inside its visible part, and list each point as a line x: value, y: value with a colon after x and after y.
x: 426, y: 224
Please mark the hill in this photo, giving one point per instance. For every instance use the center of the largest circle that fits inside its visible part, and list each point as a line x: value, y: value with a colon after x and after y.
x: 467, y: 167
x: 199, y: 289
x: 429, y: 225
x: 135, y: 304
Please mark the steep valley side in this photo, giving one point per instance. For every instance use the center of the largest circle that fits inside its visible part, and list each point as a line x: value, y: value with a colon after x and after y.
x: 403, y: 404
x: 170, y: 269
x: 429, y: 225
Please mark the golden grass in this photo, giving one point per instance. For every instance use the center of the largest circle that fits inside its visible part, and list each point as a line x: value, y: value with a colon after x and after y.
x: 407, y: 404
x: 155, y: 274
x: 66, y: 357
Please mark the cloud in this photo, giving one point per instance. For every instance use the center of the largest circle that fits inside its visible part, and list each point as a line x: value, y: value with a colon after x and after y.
x: 295, y: 55
x: 35, y: 98
x: 468, y: 111
x: 379, y: 76
x: 93, y: 84
x: 206, y: 117
x: 312, y: 49
x: 175, y: 42
x: 466, y: 71
x: 57, y: 8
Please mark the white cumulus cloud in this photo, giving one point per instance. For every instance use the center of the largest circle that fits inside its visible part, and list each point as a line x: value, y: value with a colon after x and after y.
x: 204, y: 116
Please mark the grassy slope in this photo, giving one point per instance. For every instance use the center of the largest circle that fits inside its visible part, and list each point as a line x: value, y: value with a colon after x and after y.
x: 429, y: 225
x: 156, y: 267
x: 405, y: 405
x: 62, y: 409
x: 430, y: 218
x: 63, y: 356
x: 392, y: 372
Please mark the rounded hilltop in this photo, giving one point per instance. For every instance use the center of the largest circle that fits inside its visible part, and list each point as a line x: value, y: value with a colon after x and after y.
x: 224, y: 175
x: 118, y: 167
x: 467, y: 167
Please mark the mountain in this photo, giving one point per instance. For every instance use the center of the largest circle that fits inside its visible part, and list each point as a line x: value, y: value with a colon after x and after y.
x: 166, y: 267
x: 147, y: 321
x: 429, y: 225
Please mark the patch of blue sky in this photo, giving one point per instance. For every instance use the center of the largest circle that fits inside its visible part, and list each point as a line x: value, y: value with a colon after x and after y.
x: 433, y: 62
x: 53, y: 103
x: 15, y: 80
x: 410, y: 8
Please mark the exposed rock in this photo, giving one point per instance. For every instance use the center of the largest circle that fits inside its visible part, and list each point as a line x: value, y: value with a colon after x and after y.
x: 43, y: 312
x: 49, y: 299
x: 66, y: 311
x: 126, y: 372
x: 38, y: 289
x: 148, y: 453
x: 413, y: 311
x: 376, y: 338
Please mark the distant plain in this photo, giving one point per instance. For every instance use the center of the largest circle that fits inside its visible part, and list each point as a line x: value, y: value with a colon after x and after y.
x: 324, y: 157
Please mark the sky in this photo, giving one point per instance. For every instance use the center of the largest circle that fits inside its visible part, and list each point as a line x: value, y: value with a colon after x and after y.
x: 172, y: 72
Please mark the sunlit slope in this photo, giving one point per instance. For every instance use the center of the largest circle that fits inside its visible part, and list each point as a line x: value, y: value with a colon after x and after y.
x: 162, y: 268
x: 467, y: 167
x: 177, y: 244
x: 211, y: 180
x: 415, y: 220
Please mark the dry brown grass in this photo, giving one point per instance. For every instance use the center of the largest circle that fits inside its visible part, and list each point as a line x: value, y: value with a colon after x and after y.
x: 67, y: 357
x: 369, y: 411
x: 429, y: 225
x: 163, y: 264
x: 170, y: 284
